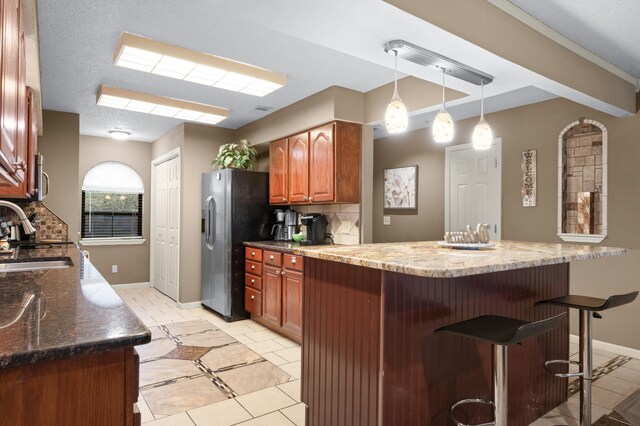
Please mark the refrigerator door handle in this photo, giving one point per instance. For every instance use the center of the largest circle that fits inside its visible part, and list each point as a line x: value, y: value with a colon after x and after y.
x: 212, y: 221
x: 207, y: 222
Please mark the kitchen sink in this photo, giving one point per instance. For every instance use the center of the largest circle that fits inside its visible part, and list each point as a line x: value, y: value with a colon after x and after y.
x: 35, y: 265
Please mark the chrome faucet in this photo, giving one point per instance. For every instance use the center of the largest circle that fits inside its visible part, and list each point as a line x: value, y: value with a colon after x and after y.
x: 26, y: 225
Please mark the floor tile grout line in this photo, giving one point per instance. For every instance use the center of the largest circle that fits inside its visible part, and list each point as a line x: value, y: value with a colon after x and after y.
x: 169, y: 382
x: 599, y: 372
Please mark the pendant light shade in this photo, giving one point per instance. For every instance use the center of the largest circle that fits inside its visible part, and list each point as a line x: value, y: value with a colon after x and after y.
x: 482, y: 137
x: 396, y: 118
x: 442, y: 128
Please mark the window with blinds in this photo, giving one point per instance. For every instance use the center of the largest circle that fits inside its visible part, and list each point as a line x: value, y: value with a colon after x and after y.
x: 112, y: 202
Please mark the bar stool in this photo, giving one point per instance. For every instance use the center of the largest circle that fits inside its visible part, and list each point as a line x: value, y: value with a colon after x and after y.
x: 500, y: 332
x: 588, y: 307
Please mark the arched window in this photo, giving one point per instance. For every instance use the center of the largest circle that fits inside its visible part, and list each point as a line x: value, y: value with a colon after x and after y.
x: 112, y: 202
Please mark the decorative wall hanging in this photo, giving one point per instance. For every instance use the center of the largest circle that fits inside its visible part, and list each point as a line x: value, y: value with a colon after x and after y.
x: 401, y: 187
x: 529, y: 165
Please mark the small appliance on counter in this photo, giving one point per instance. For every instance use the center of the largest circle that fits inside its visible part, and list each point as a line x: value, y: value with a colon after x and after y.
x: 291, y: 224
x: 316, y: 225
x: 278, y: 231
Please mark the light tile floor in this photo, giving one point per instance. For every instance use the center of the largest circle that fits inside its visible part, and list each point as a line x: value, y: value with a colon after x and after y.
x: 280, y: 405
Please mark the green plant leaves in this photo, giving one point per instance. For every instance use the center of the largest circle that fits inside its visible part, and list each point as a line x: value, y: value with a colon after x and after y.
x: 236, y: 155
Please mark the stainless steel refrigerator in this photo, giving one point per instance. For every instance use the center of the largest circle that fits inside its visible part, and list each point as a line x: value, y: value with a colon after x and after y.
x: 235, y: 208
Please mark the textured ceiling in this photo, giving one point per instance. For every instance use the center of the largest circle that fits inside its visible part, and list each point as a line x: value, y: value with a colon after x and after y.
x: 77, y: 40
x: 317, y: 44
x: 607, y: 28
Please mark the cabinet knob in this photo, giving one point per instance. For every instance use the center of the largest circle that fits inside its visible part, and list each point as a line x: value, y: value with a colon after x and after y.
x: 306, y: 198
x: 253, y: 266
x: 293, y: 260
x: 253, y: 297
x: 310, y: 198
x: 282, y: 272
x: 271, y: 257
x: 252, y: 281
x: 253, y: 253
x: 18, y: 166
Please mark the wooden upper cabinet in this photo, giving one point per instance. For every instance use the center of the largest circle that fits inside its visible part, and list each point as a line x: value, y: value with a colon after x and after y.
x: 324, y: 166
x: 9, y: 77
x: 278, y: 172
x: 321, y: 167
x: 299, y: 168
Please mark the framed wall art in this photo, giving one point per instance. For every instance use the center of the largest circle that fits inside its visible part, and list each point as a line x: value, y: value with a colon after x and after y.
x: 401, y: 188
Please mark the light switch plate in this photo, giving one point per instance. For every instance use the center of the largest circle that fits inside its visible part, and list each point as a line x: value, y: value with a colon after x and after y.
x: 386, y: 220
x: 114, y: 269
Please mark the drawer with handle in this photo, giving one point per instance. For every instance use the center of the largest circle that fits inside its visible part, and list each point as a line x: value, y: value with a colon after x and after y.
x: 272, y: 258
x: 253, y: 267
x: 252, y: 253
x: 293, y: 262
x: 253, y: 301
x: 253, y: 281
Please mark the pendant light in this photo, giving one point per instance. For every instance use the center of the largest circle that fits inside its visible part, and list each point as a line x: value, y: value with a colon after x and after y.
x: 482, y: 137
x: 442, y: 128
x: 396, y: 118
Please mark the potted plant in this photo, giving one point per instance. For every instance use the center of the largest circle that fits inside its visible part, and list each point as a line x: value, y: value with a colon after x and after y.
x: 236, y: 156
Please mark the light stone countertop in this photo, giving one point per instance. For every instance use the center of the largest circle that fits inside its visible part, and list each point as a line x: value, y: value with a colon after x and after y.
x: 427, y: 259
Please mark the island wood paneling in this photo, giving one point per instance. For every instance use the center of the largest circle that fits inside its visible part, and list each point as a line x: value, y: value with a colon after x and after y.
x: 423, y: 374
x: 341, y: 344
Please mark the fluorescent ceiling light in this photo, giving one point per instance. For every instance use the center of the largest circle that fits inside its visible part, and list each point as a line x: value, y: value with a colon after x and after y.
x: 129, y: 100
x: 144, y: 54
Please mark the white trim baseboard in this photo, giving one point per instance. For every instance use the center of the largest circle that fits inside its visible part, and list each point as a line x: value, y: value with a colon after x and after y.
x: 189, y: 305
x: 131, y: 285
x: 609, y: 347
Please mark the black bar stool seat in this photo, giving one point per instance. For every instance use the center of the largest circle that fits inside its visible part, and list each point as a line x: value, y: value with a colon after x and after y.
x: 592, y: 304
x: 588, y: 307
x: 500, y: 332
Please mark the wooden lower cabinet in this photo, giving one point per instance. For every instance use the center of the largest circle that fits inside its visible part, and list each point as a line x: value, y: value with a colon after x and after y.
x: 274, y: 299
x: 272, y: 295
x: 96, y: 389
x: 292, y: 301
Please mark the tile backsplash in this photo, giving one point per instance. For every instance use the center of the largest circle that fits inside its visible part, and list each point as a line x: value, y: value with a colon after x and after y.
x: 343, y: 220
x: 48, y: 225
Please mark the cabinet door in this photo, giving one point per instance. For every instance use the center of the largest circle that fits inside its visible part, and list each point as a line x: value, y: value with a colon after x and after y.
x: 299, y: 168
x: 278, y: 172
x: 321, y: 164
x: 10, y: 46
x: 292, y: 301
x: 272, y: 295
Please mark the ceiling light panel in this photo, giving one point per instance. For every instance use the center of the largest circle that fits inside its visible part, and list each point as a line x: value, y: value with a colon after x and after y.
x: 144, y: 54
x: 129, y: 100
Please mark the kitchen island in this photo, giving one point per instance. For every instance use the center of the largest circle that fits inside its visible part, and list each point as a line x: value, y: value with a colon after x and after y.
x: 66, y: 342
x: 369, y: 311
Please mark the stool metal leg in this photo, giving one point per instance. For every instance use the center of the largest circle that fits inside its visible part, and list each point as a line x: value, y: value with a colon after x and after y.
x: 586, y: 359
x: 500, y: 391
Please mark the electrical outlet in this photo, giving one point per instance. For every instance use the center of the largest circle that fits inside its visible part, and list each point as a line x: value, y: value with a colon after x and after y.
x: 386, y: 220
x: 114, y: 269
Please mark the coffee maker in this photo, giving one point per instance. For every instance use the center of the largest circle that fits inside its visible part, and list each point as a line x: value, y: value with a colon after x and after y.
x: 316, y: 225
x: 291, y: 224
x: 279, y: 231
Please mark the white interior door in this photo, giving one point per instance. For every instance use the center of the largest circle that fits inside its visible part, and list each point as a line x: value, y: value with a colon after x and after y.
x: 160, y: 228
x: 166, y: 225
x: 172, y: 252
x: 473, y: 188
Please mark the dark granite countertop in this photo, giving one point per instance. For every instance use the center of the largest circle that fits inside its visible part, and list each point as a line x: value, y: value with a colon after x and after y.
x: 69, y: 312
x: 281, y: 246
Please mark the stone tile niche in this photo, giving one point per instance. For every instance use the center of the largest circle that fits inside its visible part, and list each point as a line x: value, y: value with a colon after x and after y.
x: 582, y: 182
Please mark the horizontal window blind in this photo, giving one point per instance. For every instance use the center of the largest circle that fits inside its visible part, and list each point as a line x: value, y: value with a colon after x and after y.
x: 111, y: 215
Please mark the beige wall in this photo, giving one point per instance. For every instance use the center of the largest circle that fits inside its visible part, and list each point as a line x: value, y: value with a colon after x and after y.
x: 329, y: 104
x: 132, y: 260
x: 534, y: 127
x: 201, y: 145
x: 60, y: 147
x: 198, y: 145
